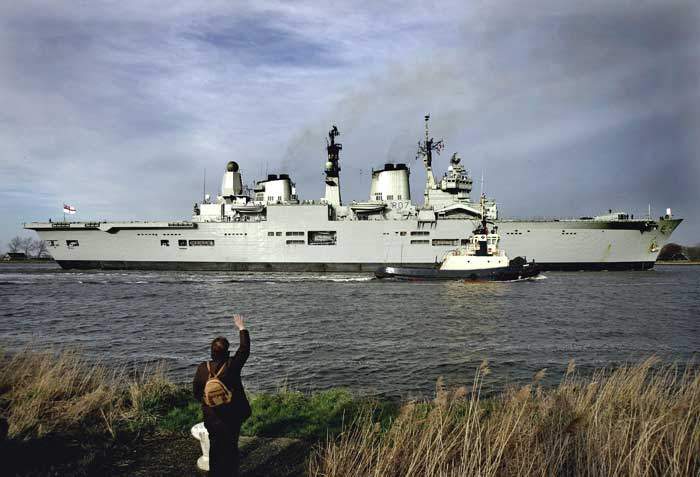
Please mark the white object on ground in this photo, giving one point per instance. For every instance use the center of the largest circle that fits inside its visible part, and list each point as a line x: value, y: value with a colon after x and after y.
x: 200, y: 433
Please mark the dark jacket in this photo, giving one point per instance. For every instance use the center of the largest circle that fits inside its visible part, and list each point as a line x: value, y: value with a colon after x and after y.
x: 226, y: 417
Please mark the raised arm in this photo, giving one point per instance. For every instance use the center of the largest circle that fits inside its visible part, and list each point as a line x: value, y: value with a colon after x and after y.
x: 243, y: 351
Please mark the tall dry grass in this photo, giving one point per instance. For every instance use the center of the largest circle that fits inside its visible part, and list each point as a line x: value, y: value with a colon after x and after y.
x: 44, y: 393
x: 634, y: 420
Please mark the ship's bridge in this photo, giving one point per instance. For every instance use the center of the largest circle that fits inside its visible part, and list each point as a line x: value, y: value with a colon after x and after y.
x: 276, y: 190
x: 237, y: 203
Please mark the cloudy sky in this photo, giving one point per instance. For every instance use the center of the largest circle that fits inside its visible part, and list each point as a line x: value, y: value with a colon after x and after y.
x: 567, y: 107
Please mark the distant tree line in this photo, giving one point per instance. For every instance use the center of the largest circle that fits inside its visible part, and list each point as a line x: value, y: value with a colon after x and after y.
x: 674, y: 251
x: 28, y: 246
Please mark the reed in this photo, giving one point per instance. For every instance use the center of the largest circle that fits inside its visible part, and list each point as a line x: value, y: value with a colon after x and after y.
x: 62, y: 393
x: 48, y: 393
x: 639, y: 419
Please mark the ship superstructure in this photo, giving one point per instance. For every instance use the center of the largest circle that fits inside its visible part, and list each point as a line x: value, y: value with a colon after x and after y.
x: 268, y: 228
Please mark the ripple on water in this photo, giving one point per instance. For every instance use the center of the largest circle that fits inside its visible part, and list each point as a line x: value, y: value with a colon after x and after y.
x: 316, y: 331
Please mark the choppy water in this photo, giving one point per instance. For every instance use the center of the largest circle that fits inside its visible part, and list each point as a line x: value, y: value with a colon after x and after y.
x: 316, y: 331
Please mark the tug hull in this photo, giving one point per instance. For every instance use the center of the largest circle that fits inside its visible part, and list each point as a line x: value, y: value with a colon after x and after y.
x: 500, y: 274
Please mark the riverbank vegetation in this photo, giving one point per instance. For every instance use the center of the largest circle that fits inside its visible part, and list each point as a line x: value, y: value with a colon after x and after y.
x: 43, y: 394
x: 61, y: 415
x: 25, y: 248
x: 673, y: 252
x: 632, y: 420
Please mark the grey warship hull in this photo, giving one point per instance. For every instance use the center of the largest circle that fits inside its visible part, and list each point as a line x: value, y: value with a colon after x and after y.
x: 359, y: 246
x: 315, y: 267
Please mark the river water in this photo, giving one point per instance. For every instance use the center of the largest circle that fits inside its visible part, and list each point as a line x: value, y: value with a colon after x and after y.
x: 314, y: 331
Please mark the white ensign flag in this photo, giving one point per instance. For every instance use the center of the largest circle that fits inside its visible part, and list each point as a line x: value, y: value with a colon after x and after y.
x: 68, y: 209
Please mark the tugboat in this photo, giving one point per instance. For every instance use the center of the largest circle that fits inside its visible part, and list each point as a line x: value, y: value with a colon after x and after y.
x: 480, y: 259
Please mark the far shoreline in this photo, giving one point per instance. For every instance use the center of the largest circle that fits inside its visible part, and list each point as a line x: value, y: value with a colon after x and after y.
x: 677, y: 262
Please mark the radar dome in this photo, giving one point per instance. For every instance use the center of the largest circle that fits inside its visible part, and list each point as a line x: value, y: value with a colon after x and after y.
x: 232, y: 166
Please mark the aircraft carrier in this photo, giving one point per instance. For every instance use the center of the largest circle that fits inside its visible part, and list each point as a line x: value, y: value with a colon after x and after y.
x: 267, y: 228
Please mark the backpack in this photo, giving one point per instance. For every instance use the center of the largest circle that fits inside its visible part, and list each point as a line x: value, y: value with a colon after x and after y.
x: 215, y: 391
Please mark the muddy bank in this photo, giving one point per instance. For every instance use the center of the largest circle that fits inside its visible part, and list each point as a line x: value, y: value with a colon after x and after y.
x: 153, y: 454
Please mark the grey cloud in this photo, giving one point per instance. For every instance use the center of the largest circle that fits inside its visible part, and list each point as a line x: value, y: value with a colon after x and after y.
x: 253, y: 40
x: 569, y: 108
x: 568, y: 113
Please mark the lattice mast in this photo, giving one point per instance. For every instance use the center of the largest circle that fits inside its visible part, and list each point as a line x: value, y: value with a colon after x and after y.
x: 332, y: 169
x: 425, y: 151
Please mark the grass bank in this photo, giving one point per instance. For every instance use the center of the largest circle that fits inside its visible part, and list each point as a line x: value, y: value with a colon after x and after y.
x: 65, y: 416
x: 43, y: 394
x: 61, y: 414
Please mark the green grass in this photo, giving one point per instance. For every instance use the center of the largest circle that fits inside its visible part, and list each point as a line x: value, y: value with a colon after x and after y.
x: 181, y: 418
x: 311, y: 416
x: 294, y: 414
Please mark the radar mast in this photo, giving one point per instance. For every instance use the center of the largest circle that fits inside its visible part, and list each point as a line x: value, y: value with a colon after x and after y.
x: 332, y: 169
x: 425, y: 150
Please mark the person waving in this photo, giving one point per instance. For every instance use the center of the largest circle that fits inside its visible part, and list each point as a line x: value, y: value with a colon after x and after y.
x: 217, y: 385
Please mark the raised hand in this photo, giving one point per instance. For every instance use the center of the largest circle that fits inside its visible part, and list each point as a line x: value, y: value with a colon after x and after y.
x: 238, y: 321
